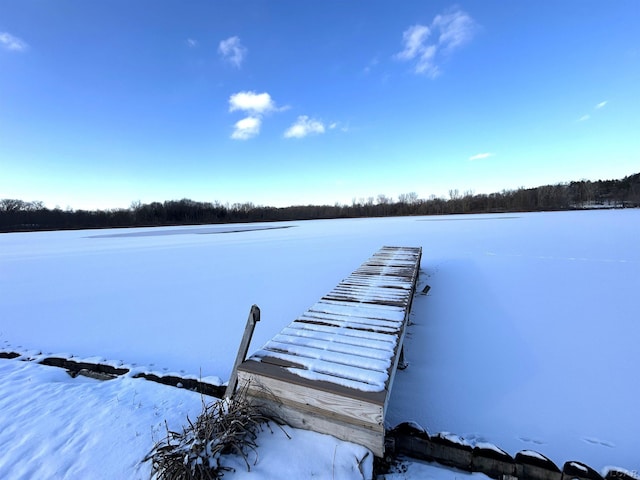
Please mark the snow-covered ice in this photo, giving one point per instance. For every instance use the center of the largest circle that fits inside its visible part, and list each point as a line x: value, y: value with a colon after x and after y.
x: 527, y: 338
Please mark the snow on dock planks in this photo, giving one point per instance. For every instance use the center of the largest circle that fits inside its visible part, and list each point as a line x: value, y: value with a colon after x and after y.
x: 331, y: 370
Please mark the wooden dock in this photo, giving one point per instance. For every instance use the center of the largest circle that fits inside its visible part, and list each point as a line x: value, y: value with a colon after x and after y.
x: 331, y: 370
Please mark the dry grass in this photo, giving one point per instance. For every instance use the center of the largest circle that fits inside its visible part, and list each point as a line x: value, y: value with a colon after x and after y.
x: 225, y: 426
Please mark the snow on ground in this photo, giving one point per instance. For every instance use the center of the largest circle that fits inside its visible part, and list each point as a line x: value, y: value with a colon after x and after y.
x: 527, y: 338
x: 54, y: 426
x: 57, y: 427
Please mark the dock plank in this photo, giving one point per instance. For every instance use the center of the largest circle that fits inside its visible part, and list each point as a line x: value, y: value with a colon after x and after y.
x: 332, y: 369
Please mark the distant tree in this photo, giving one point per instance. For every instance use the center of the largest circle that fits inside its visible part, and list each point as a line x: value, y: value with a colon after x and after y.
x: 410, y: 198
x: 11, y: 205
x: 382, y: 199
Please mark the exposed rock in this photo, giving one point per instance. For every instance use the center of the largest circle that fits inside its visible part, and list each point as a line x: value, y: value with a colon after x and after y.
x: 190, y: 384
x: 532, y: 465
x: 492, y: 461
x: 75, y: 366
x: 451, y: 450
x: 91, y: 374
x: 579, y: 471
x: 9, y: 355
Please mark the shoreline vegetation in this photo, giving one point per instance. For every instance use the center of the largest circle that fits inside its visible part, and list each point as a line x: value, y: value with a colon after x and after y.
x: 24, y: 216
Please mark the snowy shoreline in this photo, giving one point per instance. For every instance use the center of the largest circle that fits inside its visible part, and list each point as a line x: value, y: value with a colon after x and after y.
x: 515, y: 328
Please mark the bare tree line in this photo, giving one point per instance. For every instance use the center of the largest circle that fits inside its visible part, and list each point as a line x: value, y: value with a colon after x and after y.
x: 19, y: 215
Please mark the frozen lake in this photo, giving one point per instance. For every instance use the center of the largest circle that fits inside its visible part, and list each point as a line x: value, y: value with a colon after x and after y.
x: 528, y: 337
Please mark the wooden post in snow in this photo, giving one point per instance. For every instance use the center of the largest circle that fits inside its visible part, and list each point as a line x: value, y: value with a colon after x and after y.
x: 254, y: 317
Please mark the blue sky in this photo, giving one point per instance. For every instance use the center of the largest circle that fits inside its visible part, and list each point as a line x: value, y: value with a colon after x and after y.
x: 295, y: 102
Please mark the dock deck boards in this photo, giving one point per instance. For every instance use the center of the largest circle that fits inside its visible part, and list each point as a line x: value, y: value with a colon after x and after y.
x: 331, y: 370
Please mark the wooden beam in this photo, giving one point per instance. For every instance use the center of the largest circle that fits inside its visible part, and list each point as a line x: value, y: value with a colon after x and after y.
x: 254, y: 317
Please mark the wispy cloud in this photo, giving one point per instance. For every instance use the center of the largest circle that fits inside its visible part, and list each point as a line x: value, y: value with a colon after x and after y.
x: 480, y: 156
x: 414, y: 39
x: 456, y: 28
x: 192, y: 43
x: 12, y: 43
x: 450, y: 30
x: 246, y: 128
x: 304, y: 126
x: 232, y: 51
x: 343, y: 127
x: 598, y: 106
x: 371, y: 65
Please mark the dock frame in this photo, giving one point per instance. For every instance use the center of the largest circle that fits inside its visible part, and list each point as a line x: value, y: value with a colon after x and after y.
x: 331, y: 370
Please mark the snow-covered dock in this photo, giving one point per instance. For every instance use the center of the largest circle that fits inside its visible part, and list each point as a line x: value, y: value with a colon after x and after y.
x: 331, y: 370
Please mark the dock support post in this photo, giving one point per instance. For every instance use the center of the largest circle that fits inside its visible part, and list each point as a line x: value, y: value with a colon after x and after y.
x: 254, y: 317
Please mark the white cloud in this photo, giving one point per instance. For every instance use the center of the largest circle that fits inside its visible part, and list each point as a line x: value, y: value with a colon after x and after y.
x: 414, y: 39
x: 246, y: 128
x: 232, y: 51
x: 480, y: 156
x: 304, y: 126
x: 426, y: 62
x: 192, y: 42
x: 600, y: 105
x: 584, y: 117
x: 255, y: 106
x: 454, y: 29
x: 251, y: 102
x: 11, y: 43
